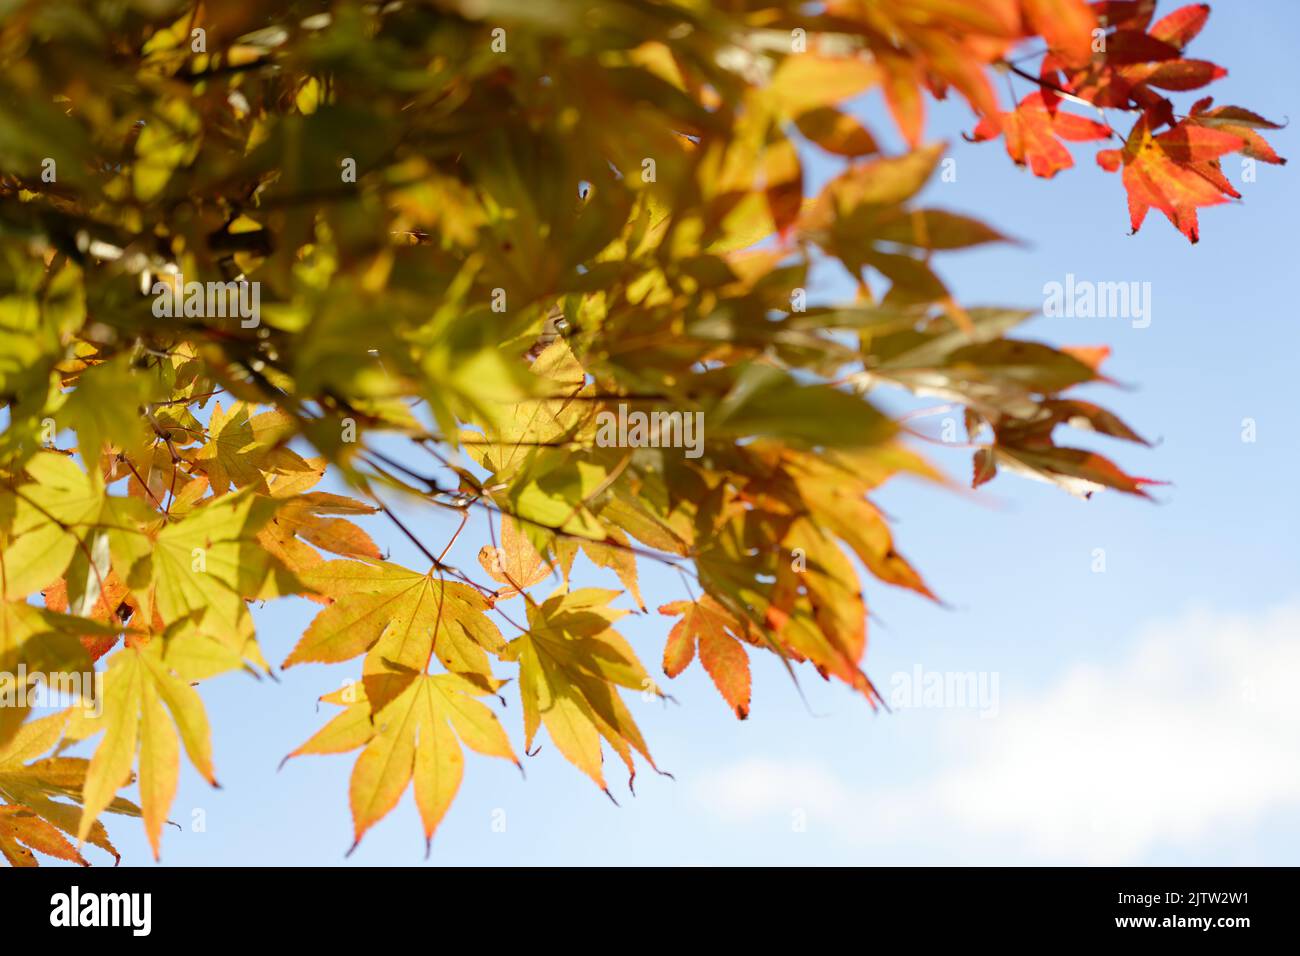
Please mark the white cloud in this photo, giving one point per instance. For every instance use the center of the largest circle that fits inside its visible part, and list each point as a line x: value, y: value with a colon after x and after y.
x: 757, y: 787
x: 1194, y: 732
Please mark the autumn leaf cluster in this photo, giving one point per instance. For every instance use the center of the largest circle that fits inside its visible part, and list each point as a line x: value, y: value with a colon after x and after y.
x: 475, y: 228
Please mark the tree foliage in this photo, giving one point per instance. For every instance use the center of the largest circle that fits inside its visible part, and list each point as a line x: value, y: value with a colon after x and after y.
x: 474, y: 231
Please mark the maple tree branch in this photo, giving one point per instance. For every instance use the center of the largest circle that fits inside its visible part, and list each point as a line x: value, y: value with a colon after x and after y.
x: 436, y: 488
x: 605, y: 542
x: 226, y: 69
x: 437, y: 564
x: 432, y: 483
x: 406, y: 531
x: 154, y: 406
x: 939, y: 441
x: 1058, y: 90
x: 147, y: 490
x: 926, y: 412
x: 464, y: 517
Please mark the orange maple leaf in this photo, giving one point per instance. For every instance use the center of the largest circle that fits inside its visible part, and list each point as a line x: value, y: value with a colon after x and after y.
x: 1176, y: 171
x: 1034, y: 131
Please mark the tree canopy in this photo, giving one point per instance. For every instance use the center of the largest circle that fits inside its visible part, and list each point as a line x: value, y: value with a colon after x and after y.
x: 543, y: 267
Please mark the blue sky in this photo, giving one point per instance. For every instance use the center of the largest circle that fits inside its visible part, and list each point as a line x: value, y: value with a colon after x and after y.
x: 1143, y: 714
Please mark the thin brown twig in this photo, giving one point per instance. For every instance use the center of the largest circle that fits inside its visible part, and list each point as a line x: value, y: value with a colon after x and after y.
x: 1058, y: 90
x: 464, y: 517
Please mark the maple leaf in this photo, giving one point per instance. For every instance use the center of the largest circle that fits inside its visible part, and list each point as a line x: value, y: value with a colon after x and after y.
x: 934, y: 44
x: 616, y: 554
x: 571, y: 662
x: 206, y: 566
x: 63, y: 524
x: 708, y: 626
x: 1238, y: 122
x: 145, y: 705
x: 1076, y: 470
x: 40, y: 521
x: 835, y: 491
x: 1034, y: 130
x: 860, y: 217
x: 1176, y: 171
x: 245, y: 448
x: 312, y: 519
x: 104, y: 408
x: 1066, y: 25
x: 836, y: 132
x: 515, y: 563
x: 977, y: 367
x: 44, y: 643
x: 398, y: 616
x: 412, y: 736
x: 19, y: 825
x: 818, y: 612
x: 28, y: 788
x: 1135, y: 61
x: 519, y: 432
x: 107, y: 603
x: 1025, y: 445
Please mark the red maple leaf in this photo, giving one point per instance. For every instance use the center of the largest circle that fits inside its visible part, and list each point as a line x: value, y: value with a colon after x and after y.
x: 1135, y: 62
x: 1176, y: 171
x: 1240, y: 122
x: 1034, y: 131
